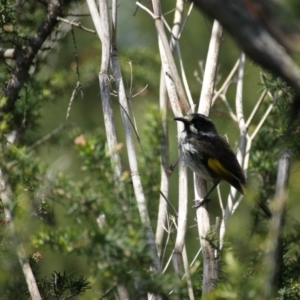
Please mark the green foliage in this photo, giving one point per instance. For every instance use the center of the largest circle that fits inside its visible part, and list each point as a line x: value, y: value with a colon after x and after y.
x: 85, y: 227
x: 63, y: 286
x: 276, y: 134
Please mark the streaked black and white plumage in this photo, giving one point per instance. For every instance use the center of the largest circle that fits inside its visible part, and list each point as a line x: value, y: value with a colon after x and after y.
x: 209, y: 155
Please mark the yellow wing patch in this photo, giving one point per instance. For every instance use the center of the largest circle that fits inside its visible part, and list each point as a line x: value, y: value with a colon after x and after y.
x: 215, y: 165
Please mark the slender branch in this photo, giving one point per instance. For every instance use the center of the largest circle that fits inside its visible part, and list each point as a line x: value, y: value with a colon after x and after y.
x: 184, y: 79
x: 227, y: 81
x: 24, y: 57
x: 186, y: 19
x: 230, y: 111
x: 210, y: 273
x: 274, y: 259
x: 6, y: 198
x: 187, y: 274
x: 101, y: 22
x: 73, y: 96
x: 211, y: 65
x: 102, y: 28
x: 182, y: 209
x: 170, y: 86
x: 164, y: 167
x: 256, y: 107
x: 240, y: 110
x: 76, y: 24
x: 196, y: 257
x: 168, y: 55
x: 78, y: 86
x: 136, y: 180
x: 263, y: 119
x: 241, y: 145
x: 48, y: 136
x: 146, y: 10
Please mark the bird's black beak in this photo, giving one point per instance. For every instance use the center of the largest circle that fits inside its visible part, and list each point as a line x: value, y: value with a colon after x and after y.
x: 181, y: 119
x: 184, y: 120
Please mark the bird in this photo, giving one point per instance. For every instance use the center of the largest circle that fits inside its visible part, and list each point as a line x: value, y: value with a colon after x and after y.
x: 209, y: 155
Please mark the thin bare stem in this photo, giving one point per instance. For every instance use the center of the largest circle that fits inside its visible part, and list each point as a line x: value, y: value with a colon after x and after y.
x: 241, y: 145
x: 145, y: 9
x: 196, y: 257
x: 184, y: 79
x: 274, y: 259
x: 6, y: 197
x: 48, y: 136
x: 102, y: 28
x: 174, y: 76
x: 226, y: 82
x: 187, y: 274
x: 230, y: 111
x: 209, y: 262
x: 263, y: 119
x: 186, y: 19
x: 164, y: 168
x: 256, y: 107
x: 76, y: 24
x: 78, y: 87
x: 132, y: 158
x: 210, y: 69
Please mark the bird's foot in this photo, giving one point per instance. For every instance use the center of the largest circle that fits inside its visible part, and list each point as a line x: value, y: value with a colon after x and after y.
x: 200, y: 202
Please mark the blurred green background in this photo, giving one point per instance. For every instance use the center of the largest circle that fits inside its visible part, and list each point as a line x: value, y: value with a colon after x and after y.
x: 140, y: 62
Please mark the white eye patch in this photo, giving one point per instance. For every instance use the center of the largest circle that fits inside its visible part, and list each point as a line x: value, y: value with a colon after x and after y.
x: 193, y: 128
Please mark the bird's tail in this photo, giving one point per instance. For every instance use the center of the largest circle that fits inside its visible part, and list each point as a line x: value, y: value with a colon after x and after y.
x: 261, y: 203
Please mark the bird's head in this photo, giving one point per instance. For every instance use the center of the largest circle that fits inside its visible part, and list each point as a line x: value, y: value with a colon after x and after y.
x: 198, y: 124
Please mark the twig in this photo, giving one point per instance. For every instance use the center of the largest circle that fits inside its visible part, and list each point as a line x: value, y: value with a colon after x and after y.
x: 48, y: 136
x: 256, y: 107
x: 73, y: 96
x: 6, y: 197
x: 241, y: 145
x: 164, y: 46
x: 274, y: 259
x: 196, y: 257
x: 227, y: 81
x: 101, y: 22
x: 169, y: 85
x: 166, y: 245
x: 184, y: 79
x: 230, y: 111
x: 145, y: 9
x: 209, y: 262
x: 187, y: 274
x: 211, y: 64
x: 107, y: 292
x: 171, y: 89
x: 102, y: 28
x: 262, y: 120
x: 136, y: 180
x: 220, y: 201
x: 78, y: 86
x: 186, y: 19
x: 76, y: 24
